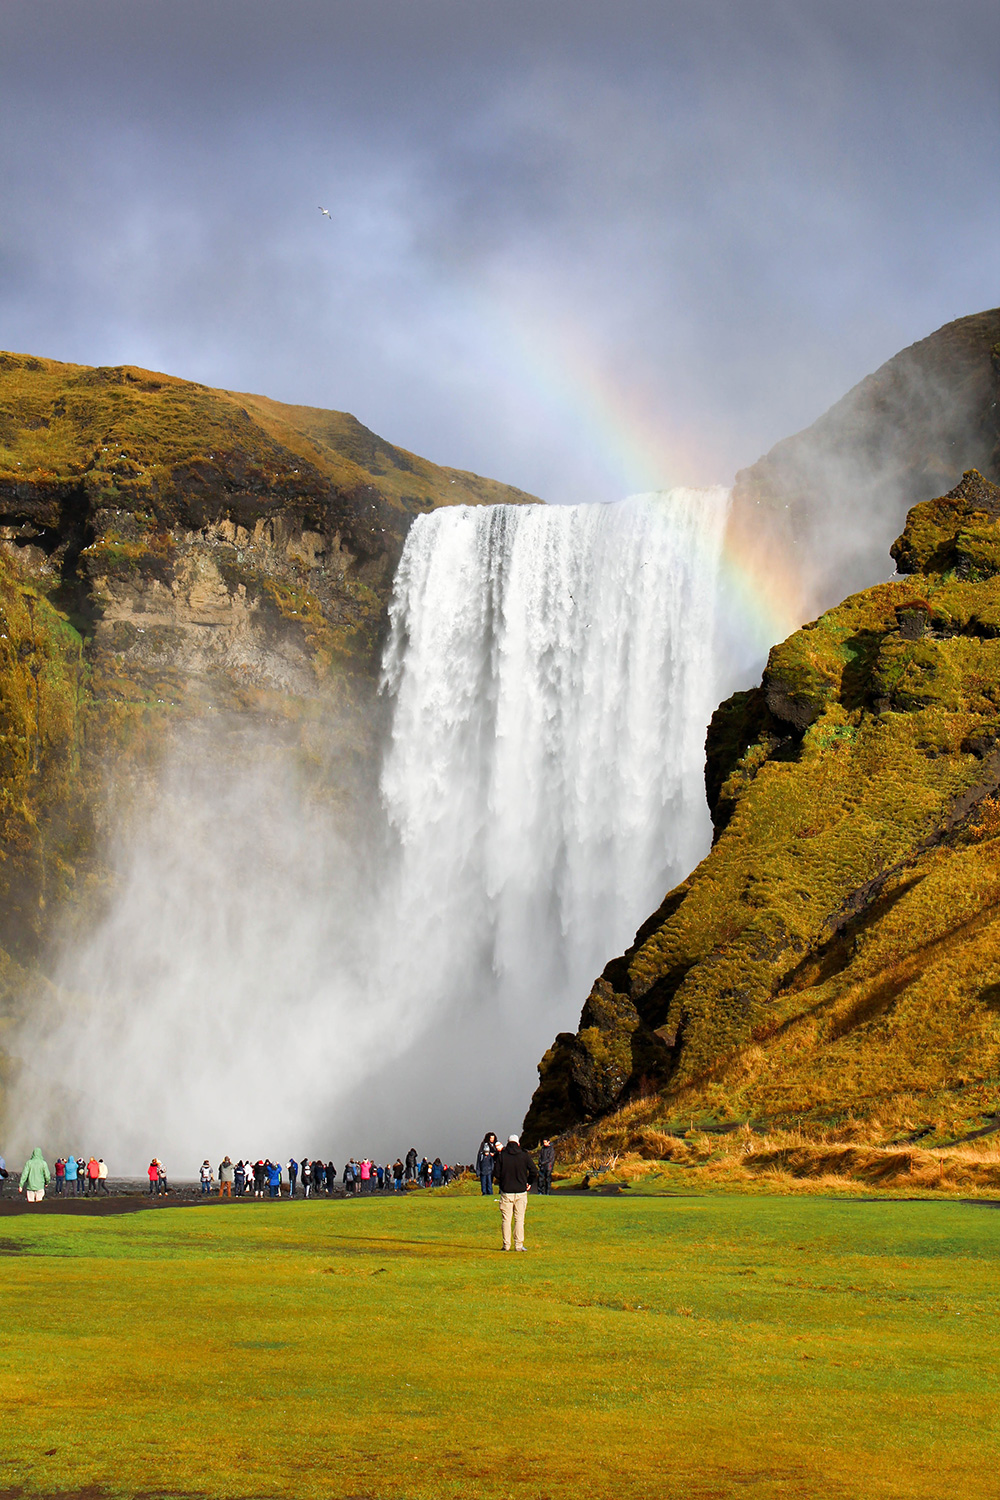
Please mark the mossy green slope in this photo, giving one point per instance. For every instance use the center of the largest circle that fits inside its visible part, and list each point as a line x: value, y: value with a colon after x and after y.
x: 838, y: 951
x: 122, y: 427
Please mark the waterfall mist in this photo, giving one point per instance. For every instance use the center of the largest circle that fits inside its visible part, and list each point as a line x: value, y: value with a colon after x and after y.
x: 264, y: 980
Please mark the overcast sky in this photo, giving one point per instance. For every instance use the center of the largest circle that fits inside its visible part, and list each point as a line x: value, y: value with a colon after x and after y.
x: 584, y: 247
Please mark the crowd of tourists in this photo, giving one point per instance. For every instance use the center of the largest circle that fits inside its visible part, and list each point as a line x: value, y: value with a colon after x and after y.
x: 508, y: 1167
x: 307, y: 1178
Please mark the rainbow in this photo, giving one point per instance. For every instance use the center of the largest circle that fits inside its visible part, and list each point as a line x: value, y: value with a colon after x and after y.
x: 640, y: 451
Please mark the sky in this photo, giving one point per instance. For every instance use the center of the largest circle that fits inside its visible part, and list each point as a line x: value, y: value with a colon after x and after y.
x: 587, y: 248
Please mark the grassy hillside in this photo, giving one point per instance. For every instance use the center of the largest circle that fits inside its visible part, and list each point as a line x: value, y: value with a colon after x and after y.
x: 833, y: 965
x: 154, y: 434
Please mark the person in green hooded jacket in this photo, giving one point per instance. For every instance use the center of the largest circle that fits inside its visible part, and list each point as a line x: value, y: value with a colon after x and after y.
x: 36, y: 1175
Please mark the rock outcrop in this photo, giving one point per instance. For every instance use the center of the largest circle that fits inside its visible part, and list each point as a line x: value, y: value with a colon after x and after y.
x: 838, y: 950
x: 205, y: 535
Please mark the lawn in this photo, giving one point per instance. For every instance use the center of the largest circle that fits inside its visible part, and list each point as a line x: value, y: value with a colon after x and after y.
x: 655, y: 1347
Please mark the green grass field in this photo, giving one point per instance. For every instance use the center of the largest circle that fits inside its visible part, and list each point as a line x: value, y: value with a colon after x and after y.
x: 656, y: 1347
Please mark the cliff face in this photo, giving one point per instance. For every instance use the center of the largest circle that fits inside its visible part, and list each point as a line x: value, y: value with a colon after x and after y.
x: 174, y: 556
x: 200, y: 534
x: 827, y: 502
x: 838, y: 951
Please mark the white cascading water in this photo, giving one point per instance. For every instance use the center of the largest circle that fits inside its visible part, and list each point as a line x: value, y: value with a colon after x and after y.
x: 251, y: 989
x: 553, y: 673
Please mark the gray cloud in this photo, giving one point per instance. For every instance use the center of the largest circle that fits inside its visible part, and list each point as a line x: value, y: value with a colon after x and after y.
x: 718, y: 216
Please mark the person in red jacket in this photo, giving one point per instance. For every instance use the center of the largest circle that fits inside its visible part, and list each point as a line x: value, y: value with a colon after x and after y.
x: 153, y: 1173
x: 93, y: 1173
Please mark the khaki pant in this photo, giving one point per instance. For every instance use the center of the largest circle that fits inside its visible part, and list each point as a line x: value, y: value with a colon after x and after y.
x: 225, y: 1189
x: 35, y: 1195
x: 512, y: 1206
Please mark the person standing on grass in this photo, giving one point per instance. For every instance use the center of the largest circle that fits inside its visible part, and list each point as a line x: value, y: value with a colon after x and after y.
x: 36, y: 1176
x: 485, y: 1162
x: 239, y: 1178
x: 515, y: 1173
x: 274, y: 1178
x: 227, y: 1175
x: 307, y: 1177
x: 60, y: 1171
x: 93, y: 1173
x: 411, y: 1164
x: 397, y: 1175
x: 293, y: 1175
x: 546, y: 1163
x: 205, y: 1174
x: 71, y: 1171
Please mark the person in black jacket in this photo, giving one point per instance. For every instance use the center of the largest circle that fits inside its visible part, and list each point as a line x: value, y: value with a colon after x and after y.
x: 546, y: 1162
x: 485, y: 1163
x: 515, y: 1173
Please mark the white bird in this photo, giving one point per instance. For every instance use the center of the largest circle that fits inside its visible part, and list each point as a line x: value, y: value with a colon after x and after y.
x: 326, y: 211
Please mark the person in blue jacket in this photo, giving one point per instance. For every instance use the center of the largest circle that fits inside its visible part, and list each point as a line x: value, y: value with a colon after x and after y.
x: 293, y: 1175
x: 71, y: 1174
x: 274, y: 1178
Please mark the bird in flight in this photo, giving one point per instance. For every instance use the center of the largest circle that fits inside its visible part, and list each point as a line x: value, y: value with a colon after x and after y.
x: 326, y: 211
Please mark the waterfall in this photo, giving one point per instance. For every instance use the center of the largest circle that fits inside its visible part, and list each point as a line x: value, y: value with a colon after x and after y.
x: 552, y: 672
x: 261, y: 979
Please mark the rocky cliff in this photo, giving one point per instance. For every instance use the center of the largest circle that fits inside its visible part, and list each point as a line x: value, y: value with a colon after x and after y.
x: 838, y: 951
x: 175, y: 556
x: 207, y: 536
